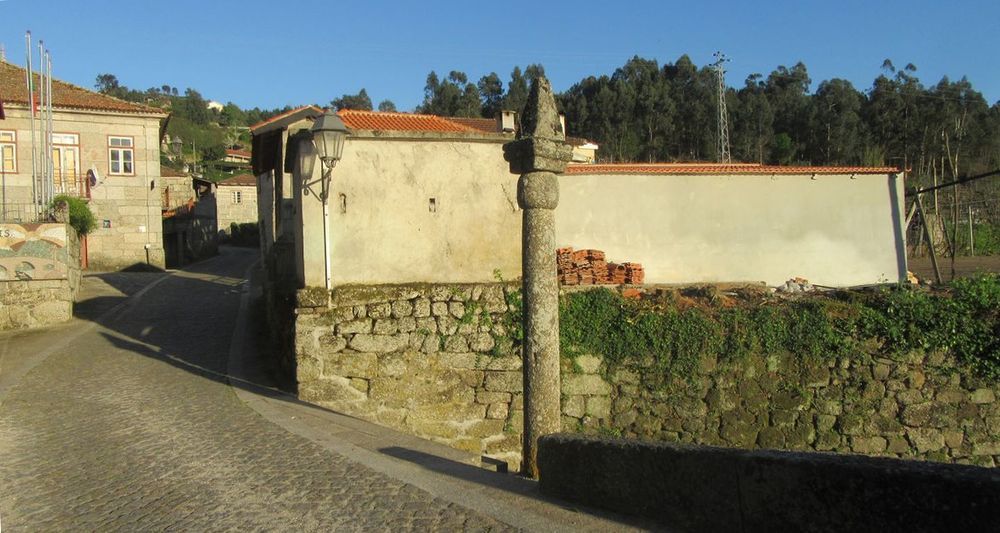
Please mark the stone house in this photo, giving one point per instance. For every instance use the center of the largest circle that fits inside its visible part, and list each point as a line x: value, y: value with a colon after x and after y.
x: 189, y: 215
x: 422, y: 226
x: 118, y: 140
x: 236, y: 198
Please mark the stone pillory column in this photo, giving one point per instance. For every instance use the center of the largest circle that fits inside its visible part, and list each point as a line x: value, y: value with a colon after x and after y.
x: 537, y: 155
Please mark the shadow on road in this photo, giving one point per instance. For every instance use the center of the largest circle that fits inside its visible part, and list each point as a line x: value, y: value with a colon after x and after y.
x: 188, y: 320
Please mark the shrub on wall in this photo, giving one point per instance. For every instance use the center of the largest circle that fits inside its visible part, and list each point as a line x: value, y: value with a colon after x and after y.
x: 80, y: 216
x: 245, y: 234
x: 676, y: 331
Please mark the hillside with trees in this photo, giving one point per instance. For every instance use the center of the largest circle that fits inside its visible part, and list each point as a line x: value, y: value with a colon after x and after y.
x: 203, y: 134
x: 647, y: 112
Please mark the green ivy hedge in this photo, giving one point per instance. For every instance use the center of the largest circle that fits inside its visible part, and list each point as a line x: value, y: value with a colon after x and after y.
x: 963, y: 320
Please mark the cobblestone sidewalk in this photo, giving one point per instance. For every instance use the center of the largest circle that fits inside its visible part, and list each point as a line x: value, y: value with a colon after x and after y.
x: 110, y: 434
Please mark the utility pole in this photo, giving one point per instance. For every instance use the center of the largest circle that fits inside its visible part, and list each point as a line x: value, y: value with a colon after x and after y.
x: 722, y: 148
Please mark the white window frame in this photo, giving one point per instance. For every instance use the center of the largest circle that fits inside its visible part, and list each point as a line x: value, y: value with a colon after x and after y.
x: 121, y: 149
x: 12, y: 144
x: 237, y: 197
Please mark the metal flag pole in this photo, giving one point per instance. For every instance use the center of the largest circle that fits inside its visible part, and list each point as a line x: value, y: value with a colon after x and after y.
x: 42, y: 129
x: 48, y: 122
x: 31, y: 110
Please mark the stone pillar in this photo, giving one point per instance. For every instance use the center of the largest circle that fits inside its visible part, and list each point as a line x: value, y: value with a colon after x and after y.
x: 538, y: 154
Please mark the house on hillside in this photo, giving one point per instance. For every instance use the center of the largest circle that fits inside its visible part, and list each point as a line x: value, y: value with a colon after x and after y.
x: 119, y: 141
x: 237, y: 201
x: 234, y: 162
x: 237, y: 156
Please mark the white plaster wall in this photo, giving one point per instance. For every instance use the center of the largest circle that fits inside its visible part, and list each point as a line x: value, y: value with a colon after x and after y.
x: 832, y: 230
x: 388, y: 234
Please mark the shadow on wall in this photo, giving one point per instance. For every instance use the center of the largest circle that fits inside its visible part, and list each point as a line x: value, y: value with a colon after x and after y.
x: 718, y: 489
x: 897, y: 228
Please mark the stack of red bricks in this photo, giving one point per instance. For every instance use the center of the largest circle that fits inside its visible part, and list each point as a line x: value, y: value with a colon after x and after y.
x: 589, y: 267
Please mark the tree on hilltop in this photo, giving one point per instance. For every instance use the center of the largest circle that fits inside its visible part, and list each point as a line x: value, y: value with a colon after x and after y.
x: 359, y: 102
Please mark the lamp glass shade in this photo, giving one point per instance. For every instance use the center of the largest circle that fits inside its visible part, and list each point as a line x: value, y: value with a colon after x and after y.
x: 329, y: 133
x: 307, y: 158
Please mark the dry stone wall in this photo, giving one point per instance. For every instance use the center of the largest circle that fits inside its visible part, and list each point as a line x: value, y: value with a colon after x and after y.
x: 431, y: 360
x: 435, y: 361
x: 920, y: 406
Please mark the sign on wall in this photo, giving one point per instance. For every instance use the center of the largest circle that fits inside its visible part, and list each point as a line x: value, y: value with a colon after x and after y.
x: 33, y: 252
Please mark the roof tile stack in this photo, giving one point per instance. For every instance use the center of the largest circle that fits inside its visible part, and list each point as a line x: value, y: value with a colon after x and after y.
x: 590, y: 267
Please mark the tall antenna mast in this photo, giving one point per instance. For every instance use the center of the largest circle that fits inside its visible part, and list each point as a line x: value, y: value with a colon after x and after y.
x: 722, y: 148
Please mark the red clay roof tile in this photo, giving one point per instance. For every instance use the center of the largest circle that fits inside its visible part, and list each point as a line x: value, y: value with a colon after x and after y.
x: 717, y: 168
x: 65, y: 95
x: 382, y: 121
x: 485, y: 125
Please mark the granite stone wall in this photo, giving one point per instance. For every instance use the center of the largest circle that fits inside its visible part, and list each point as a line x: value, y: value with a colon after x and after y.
x: 436, y: 361
x: 431, y: 360
x: 39, y: 274
x: 920, y: 406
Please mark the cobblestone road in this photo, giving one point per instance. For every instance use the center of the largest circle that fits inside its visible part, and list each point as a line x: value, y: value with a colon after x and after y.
x: 109, y: 433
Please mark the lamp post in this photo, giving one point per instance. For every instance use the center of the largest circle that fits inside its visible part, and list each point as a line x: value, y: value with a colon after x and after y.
x: 329, y: 134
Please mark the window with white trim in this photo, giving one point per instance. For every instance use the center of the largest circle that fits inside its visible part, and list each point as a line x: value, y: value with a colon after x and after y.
x: 237, y: 197
x: 8, y: 150
x: 121, y: 156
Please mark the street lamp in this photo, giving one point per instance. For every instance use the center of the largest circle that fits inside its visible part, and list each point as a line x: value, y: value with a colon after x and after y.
x: 329, y: 133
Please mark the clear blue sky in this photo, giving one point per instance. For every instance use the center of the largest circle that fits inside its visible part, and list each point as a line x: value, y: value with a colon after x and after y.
x: 275, y: 53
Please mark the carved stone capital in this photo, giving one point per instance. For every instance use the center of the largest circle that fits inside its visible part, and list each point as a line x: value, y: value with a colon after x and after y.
x: 533, y: 154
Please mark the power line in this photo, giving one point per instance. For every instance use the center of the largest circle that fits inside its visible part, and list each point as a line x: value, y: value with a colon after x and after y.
x: 959, y: 181
x: 723, y: 145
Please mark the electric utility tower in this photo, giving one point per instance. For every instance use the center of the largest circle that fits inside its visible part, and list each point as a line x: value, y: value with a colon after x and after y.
x: 722, y: 148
